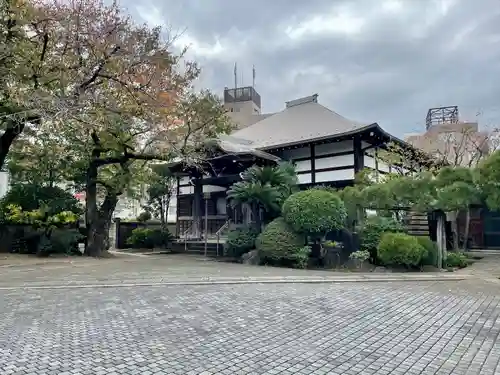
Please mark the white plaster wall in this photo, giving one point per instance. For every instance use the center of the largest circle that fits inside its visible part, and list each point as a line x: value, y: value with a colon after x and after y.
x: 343, y: 174
x: 4, y: 183
x: 334, y: 161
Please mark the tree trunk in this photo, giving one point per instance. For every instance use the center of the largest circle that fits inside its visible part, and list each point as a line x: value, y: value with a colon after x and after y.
x: 466, y: 229
x: 98, y: 231
x: 10, y: 134
x: 452, y: 217
x: 440, y: 240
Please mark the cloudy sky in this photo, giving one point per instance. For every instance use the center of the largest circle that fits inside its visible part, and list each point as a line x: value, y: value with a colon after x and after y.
x: 384, y: 61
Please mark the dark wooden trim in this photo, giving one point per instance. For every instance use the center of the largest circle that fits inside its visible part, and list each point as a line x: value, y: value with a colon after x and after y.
x: 177, y: 208
x: 304, y: 172
x: 324, y: 156
x: 313, y: 164
x: 369, y: 147
x: 359, y: 160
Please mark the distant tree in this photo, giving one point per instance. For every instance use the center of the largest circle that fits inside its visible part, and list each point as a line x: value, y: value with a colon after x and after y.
x: 159, y: 192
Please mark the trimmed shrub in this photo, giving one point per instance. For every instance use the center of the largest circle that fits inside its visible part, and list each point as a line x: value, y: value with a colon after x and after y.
x: 161, y: 238
x: 371, y: 231
x: 400, y: 249
x: 149, y: 238
x: 279, y: 244
x: 239, y: 241
x: 144, y: 216
x: 314, y: 211
x: 64, y: 241
x: 431, y: 259
x: 458, y: 260
x: 300, y: 258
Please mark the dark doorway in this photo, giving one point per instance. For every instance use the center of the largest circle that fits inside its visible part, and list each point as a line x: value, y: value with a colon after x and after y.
x: 491, y: 222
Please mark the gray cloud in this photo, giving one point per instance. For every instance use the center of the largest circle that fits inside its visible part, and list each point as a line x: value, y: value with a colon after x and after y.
x: 384, y: 61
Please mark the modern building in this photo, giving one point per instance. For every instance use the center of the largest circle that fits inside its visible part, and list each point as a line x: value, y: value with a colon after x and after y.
x: 326, y: 148
x: 448, y: 138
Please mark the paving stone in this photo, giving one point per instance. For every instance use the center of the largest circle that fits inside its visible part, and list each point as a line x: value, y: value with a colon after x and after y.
x: 371, y: 328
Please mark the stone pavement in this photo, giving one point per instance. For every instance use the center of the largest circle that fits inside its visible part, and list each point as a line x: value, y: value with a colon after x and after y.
x: 431, y: 327
x: 363, y: 328
x: 175, y: 269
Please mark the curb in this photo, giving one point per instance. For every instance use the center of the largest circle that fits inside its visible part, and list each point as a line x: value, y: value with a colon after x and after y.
x: 239, y: 282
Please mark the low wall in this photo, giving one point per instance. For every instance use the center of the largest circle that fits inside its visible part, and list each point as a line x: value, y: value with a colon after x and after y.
x: 124, y: 228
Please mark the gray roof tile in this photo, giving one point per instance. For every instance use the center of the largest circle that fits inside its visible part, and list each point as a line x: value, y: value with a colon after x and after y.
x: 297, y: 123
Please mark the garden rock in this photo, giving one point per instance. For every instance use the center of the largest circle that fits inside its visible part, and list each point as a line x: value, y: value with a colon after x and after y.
x: 252, y: 258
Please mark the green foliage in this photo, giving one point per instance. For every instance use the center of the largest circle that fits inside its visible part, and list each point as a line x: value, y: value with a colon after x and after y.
x: 352, y: 198
x: 239, y: 241
x: 265, y: 187
x: 300, y: 258
x: 63, y: 241
x: 458, y: 260
x: 456, y: 189
x: 280, y: 244
x: 160, y: 190
x: 149, y: 238
x: 488, y: 174
x: 314, y: 211
x: 431, y: 259
x: 39, y: 218
x: 143, y: 217
x: 32, y: 197
x: 400, y: 249
x: 361, y: 255
x: 372, y: 229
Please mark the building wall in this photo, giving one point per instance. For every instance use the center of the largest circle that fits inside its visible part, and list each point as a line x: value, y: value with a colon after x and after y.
x: 4, y: 183
x: 327, y: 162
x: 458, y: 143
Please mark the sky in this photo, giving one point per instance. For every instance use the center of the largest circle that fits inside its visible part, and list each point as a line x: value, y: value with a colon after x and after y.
x: 384, y: 61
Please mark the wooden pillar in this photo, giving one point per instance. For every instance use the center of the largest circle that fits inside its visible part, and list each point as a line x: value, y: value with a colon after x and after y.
x: 177, y: 207
x: 197, y: 209
x: 359, y: 160
x: 313, y: 164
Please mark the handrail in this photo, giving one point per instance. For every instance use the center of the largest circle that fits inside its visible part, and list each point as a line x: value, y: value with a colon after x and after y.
x: 185, y: 233
x: 218, y: 233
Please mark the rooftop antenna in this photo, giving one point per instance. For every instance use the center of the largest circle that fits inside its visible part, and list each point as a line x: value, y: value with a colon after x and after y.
x: 253, y: 76
x: 235, y: 77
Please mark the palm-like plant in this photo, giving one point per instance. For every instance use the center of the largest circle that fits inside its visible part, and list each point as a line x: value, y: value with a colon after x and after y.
x: 264, y: 188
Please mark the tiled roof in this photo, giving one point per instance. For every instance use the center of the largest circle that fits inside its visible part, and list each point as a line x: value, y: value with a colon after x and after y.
x: 302, y: 120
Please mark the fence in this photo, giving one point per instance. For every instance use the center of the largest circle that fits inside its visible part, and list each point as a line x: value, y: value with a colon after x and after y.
x: 123, y: 230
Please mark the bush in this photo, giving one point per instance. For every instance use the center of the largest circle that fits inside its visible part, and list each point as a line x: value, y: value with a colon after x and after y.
x: 371, y: 231
x: 64, y: 241
x: 456, y: 260
x: 32, y: 197
x: 400, y: 249
x: 300, y: 258
x: 239, y: 241
x: 144, y: 216
x: 161, y: 238
x: 278, y: 244
x: 149, y: 238
x: 431, y: 259
x: 314, y: 211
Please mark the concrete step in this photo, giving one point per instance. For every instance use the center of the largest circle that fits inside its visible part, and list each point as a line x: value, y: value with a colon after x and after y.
x: 198, y: 247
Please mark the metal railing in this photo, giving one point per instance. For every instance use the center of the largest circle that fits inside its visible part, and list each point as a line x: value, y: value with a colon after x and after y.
x: 185, y: 234
x: 220, y: 231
